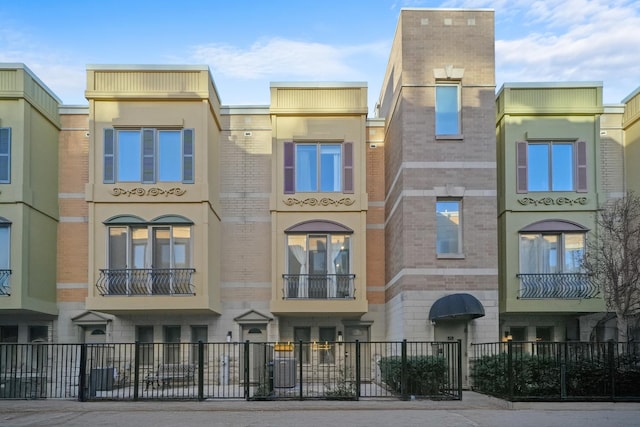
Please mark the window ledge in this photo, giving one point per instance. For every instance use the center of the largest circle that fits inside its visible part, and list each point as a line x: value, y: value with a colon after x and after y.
x: 458, y: 137
x: 450, y: 256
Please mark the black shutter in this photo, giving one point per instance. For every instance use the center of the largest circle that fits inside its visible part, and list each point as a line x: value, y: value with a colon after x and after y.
x: 187, y: 156
x: 581, y: 167
x: 347, y: 169
x: 109, y: 157
x: 289, y: 168
x: 522, y: 186
x: 148, y: 156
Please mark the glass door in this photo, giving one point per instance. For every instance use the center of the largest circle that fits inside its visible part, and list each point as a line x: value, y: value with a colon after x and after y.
x: 318, y: 266
x: 161, y: 260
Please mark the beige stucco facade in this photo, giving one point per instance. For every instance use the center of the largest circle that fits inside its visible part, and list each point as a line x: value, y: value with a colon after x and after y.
x: 29, y: 215
x: 319, y: 113
x: 158, y: 98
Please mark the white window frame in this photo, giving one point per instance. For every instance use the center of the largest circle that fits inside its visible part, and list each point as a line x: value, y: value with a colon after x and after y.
x: 111, y: 156
x: 560, y: 266
x: 440, y: 133
x: 449, y: 254
x: 148, y: 261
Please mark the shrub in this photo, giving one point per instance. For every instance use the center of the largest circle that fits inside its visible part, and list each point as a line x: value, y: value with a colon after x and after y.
x: 532, y: 375
x: 540, y: 376
x: 426, y: 375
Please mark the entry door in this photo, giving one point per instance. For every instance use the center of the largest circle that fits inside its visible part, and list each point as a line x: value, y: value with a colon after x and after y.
x: 161, y: 263
x: 367, y: 366
x: 98, y: 354
x: 317, y: 267
x: 258, y: 356
x: 452, y: 331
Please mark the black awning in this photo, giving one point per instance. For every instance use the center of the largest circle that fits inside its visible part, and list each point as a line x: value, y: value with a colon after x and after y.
x: 456, y: 306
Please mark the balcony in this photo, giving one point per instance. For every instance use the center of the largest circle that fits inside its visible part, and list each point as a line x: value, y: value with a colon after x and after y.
x: 318, y: 286
x: 145, y: 281
x: 5, y: 289
x: 559, y: 286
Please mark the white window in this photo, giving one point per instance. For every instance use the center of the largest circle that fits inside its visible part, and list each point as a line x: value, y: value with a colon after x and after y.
x: 318, y: 167
x: 144, y: 335
x: 327, y: 336
x: 551, y: 253
x: 148, y: 258
x: 5, y: 155
x: 448, y: 227
x: 172, y: 344
x: 199, y: 333
x: 318, y: 266
x: 303, y: 333
x: 148, y: 155
x: 448, y: 109
x: 551, y: 166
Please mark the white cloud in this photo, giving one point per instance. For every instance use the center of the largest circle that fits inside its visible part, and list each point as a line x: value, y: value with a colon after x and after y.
x: 282, y: 58
x: 600, y: 42
x: 58, y: 71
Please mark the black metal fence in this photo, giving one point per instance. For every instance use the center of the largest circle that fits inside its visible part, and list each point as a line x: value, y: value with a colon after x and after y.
x: 354, y: 370
x: 240, y: 370
x: 556, y: 371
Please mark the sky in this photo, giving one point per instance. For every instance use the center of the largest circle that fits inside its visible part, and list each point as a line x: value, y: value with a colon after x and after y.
x: 249, y: 43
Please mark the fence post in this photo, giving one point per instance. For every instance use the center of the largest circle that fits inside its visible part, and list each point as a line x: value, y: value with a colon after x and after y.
x: 246, y: 370
x: 403, y: 371
x: 82, y: 374
x: 510, y: 368
x: 612, y: 367
x: 358, y: 379
x: 201, y: 370
x: 300, y: 370
x: 460, y: 368
x: 563, y: 369
x: 136, y: 369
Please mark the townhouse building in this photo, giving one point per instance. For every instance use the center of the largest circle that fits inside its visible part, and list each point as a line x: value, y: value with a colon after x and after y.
x: 441, y: 257
x: 156, y: 213
x: 550, y: 190
x: 29, y: 218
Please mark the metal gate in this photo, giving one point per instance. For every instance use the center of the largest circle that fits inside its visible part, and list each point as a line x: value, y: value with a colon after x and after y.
x: 200, y: 371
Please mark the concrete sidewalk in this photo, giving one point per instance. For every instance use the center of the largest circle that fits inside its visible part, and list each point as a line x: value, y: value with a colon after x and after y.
x: 475, y: 410
x: 470, y: 401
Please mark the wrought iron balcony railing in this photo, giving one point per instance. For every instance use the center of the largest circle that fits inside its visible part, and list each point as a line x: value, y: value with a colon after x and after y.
x: 5, y: 289
x: 318, y: 286
x: 146, y: 281
x: 562, y: 285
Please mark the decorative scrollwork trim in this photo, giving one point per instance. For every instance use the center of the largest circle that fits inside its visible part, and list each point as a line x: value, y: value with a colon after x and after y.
x: 549, y: 201
x: 153, y: 191
x: 312, y: 201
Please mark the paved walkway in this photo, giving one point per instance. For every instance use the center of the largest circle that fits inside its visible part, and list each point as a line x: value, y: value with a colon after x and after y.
x: 473, y: 410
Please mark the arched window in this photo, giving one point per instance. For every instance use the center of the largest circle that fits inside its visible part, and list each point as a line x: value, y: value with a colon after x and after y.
x: 149, y: 256
x: 552, y: 247
x: 318, y: 261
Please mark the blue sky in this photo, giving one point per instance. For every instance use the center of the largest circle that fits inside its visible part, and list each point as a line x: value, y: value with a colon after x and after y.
x: 249, y: 43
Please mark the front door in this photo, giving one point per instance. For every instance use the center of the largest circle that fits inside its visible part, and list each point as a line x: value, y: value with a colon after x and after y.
x: 452, y: 331
x: 367, y: 365
x: 257, y: 337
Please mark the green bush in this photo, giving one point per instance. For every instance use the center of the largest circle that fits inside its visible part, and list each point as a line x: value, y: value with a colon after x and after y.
x: 532, y: 375
x: 426, y: 375
x: 540, y: 376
